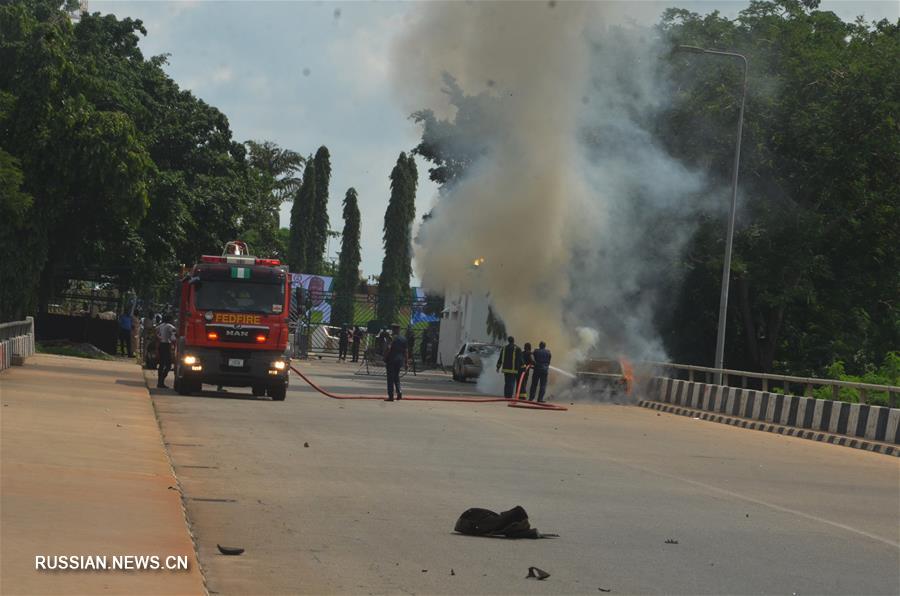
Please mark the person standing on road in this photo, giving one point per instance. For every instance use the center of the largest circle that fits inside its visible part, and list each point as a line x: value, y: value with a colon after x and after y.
x: 165, y: 335
x: 343, y: 343
x: 509, y: 362
x: 147, y: 329
x: 357, y: 339
x: 394, y: 359
x: 541, y: 369
x: 125, y: 326
x: 527, y: 361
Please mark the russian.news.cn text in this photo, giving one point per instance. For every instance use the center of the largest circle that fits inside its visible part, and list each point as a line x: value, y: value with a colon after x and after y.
x: 110, y: 563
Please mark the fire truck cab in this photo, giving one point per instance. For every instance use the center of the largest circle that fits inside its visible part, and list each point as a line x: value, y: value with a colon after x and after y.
x: 233, y: 324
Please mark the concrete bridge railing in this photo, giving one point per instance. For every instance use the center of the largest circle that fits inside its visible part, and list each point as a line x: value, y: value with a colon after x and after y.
x: 875, y: 423
x: 16, y: 342
x: 765, y: 381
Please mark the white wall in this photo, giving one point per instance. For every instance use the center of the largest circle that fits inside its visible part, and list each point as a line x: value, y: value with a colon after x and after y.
x: 463, y: 319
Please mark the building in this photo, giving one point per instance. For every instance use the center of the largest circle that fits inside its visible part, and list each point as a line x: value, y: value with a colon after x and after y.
x: 463, y: 319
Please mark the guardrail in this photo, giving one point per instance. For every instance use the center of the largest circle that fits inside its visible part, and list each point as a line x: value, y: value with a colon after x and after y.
x: 689, y: 372
x: 16, y: 339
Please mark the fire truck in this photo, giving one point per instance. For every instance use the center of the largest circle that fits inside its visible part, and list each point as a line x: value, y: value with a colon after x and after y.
x: 233, y: 314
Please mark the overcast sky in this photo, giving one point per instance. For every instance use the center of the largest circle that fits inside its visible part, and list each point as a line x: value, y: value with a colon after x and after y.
x: 305, y: 74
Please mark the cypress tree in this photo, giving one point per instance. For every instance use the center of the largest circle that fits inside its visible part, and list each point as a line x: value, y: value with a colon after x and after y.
x: 318, y: 225
x: 396, y: 268
x: 347, y: 278
x: 301, y: 216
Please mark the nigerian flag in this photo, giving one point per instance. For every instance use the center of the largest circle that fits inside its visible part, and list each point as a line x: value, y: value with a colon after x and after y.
x: 240, y: 273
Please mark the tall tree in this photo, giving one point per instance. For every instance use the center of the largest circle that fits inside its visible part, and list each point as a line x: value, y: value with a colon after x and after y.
x: 347, y: 279
x: 396, y: 268
x: 273, y: 175
x: 814, y: 273
x: 318, y: 234
x: 301, y: 220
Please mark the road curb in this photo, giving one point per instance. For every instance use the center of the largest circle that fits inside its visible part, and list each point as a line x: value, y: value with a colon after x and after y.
x: 184, y: 512
x: 790, y: 431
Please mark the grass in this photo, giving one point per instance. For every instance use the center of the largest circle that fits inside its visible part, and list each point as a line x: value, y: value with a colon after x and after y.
x: 71, y: 349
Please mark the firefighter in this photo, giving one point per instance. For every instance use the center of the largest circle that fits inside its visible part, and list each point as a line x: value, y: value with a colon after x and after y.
x: 343, y: 342
x: 509, y: 362
x: 527, y: 361
x: 541, y: 369
x: 394, y: 359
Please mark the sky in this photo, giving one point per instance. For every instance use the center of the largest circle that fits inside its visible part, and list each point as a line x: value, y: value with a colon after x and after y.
x: 306, y: 74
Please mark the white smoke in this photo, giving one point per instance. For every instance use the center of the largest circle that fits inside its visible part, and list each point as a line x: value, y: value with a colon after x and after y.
x: 576, y: 210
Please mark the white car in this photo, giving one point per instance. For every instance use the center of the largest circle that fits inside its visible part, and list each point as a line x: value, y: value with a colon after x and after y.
x: 468, y: 361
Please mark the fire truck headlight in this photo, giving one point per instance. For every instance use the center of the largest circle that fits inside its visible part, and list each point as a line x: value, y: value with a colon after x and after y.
x: 208, y: 316
x: 189, y: 360
x: 279, y: 365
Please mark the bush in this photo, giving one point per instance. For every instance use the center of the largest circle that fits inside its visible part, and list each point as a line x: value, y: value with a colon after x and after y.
x: 886, y: 374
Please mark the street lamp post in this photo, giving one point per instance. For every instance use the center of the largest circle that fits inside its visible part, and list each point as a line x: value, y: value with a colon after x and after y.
x: 729, y: 239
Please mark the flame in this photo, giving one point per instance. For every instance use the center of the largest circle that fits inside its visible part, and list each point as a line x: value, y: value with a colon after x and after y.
x: 478, y: 262
x: 627, y: 374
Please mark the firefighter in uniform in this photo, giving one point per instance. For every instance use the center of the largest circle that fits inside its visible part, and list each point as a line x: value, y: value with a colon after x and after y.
x: 509, y: 362
x: 527, y: 361
x: 541, y: 370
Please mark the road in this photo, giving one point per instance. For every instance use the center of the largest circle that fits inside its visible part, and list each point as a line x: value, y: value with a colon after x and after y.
x: 369, y: 506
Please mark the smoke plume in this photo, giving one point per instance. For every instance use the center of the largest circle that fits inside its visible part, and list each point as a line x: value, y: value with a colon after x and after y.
x: 575, y: 209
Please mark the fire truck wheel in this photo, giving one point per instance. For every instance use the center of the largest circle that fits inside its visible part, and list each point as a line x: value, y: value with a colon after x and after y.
x: 183, y: 387
x: 278, y: 392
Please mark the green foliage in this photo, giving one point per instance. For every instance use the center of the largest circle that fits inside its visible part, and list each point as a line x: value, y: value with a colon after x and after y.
x: 301, y: 220
x: 69, y: 349
x: 347, y: 278
x: 495, y: 326
x: 886, y: 374
x: 272, y: 179
x: 106, y: 165
x: 396, y: 268
x: 318, y: 231
x: 454, y: 145
x: 816, y: 271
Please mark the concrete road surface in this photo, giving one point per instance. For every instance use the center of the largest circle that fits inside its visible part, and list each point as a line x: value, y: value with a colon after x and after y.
x: 369, y: 507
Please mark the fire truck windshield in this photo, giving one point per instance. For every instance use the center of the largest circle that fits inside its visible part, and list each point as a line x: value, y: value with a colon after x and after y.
x: 240, y: 296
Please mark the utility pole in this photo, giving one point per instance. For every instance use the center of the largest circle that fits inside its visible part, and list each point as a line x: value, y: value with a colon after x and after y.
x: 729, y: 239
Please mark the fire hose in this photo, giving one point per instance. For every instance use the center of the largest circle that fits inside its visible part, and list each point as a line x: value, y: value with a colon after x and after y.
x: 461, y: 399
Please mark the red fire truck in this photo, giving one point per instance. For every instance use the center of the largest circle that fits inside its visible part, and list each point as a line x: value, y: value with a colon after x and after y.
x: 233, y: 324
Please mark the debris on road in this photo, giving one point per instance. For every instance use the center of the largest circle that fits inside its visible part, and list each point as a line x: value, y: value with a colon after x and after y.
x: 510, y: 524
x: 671, y: 541
x: 605, y: 589
x: 230, y: 550
x: 452, y: 572
x: 537, y: 573
x: 306, y: 444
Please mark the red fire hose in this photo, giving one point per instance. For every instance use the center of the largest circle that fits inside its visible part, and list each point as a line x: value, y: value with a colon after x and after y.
x: 462, y: 399
x: 518, y: 402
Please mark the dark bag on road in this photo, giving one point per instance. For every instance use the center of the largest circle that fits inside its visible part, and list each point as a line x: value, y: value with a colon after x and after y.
x: 509, y: 524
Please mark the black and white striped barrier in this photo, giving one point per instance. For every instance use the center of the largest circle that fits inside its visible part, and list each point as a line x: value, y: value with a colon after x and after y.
x: 875, y: 423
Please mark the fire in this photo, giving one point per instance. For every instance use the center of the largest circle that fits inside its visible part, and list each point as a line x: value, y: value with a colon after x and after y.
x: 478, y: 262
x: 627, y: 374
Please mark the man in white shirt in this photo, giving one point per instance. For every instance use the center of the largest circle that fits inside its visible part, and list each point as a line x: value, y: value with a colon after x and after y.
x: 165, y: 333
